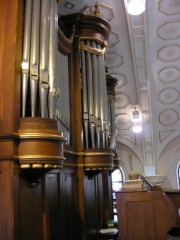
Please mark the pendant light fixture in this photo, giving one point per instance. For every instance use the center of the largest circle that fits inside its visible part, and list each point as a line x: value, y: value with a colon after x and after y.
x: 135, y: 7
x: 136, y: 119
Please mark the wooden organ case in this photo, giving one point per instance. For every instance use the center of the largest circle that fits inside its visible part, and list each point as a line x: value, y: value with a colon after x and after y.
x: 55, y: 135
x: 51, y: 133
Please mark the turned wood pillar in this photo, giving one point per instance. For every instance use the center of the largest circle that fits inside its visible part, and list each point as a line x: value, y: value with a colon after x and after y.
x: 10, y: 76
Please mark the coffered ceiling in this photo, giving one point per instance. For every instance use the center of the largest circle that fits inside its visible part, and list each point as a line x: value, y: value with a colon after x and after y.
x: 144, y: 55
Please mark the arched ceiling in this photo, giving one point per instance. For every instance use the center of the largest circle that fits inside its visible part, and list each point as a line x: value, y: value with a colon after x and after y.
x: 144, y: 55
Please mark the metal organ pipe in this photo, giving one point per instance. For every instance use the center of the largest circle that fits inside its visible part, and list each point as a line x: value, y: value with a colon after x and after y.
x: 26, y: 53
x: 90, y: 95
x: 84, y: 96
x: 105, y: 102
x: 101, y: 96
x: 95, y: 80
x: 34, y: 65
x: 66, y: 99
x: 94, y: 94
x: 44, y: 56
x: 89, y: 81
x: 53, y: 48
x: 41, y: 57
x: 62, y: 104
x: 111, y: 112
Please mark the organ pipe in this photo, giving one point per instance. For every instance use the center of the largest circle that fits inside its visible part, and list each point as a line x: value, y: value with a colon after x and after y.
x: 53, y: 48
x: 104, y: 104
x: 84, y: 96
x: 34, y: 67
x: 44, y: 56
x: 111, y: 83
x: 90, y: 96
x: 101, y: 97
x: 62, y: 104
x: 26, y: 54
x: 94, y: 94
x: 42, y: 38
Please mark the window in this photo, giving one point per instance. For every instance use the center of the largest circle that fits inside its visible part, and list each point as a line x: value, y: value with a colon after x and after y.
x: 117, y: 181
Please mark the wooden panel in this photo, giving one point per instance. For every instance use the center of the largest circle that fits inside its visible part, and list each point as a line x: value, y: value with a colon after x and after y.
x: 31, y: 211
x: 104, y: 198
x: 165, y: 214
x: 91, y: 199
x: 107, y: 211
x: 48, y: 209
x: 144, y: 215
x: 135, y: 216
x: 7, y: 200
x: 140, y: 216
x: 70, y: 220
x: 98, y: 198
x: 174, y: 195
x: 52, y: 205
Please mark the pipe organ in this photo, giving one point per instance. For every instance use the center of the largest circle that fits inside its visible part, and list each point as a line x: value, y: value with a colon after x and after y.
x: 45, y: 87
x: 66, y: 122
x: 48, y: 52
x: 92, y: 33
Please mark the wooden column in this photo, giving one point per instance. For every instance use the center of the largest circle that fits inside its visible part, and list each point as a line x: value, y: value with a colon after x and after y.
x: 10, y: 77
x: 79, y: 142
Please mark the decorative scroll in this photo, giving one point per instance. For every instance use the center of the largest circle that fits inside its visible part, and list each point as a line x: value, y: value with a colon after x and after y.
x: 94, y: 50
x: 65, y: 44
